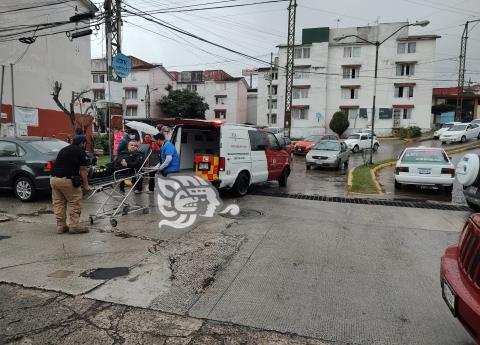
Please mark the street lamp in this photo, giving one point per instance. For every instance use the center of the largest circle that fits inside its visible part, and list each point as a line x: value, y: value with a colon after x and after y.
x: 377, y: 45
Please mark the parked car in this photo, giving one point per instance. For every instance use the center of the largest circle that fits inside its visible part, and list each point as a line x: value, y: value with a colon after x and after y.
x: 286, y: 143
x: 468, y: 176
x: 230, y: 156
x: 425, y: 166
x: 460, y: 277
x: 476, y: 121
x: 361, y: 141
x: 461, y: 133
x: 25, y: 164
x: 303, y: 146
x: 328, y: 153
x: 445, y: 127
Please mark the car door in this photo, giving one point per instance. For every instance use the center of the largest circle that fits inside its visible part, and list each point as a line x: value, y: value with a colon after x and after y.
x: 259, y: 158
x: 475, y: 130
x: 364, y: 142
x: 9, y: 162
x: 275, y: 158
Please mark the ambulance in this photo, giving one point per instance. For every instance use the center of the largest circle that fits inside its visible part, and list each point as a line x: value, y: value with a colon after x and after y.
x: 229, y: 156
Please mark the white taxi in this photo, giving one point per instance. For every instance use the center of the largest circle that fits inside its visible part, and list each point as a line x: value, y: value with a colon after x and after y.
x: 425, y: 166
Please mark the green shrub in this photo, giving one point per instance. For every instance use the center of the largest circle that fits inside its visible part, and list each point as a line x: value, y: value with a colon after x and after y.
x: 410, y: 132
x: 101, y: 142
x: 339, y: 123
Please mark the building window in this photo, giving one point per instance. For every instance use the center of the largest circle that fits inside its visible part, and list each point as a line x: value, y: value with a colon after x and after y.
x: 273, y: 104
x: 300, y: 114
x: 351, y: 73
x: 220, y: 99
x: 350, y: 93
x: 301, y: 74
x: 302, y: 53
x: 300, y: 93
x: 274, y: 90
x: 131, y: 112
x: 273, y: 119
x: 403, y: 91
x: 192, y: 87
x: 98, y: 78
x: 352, y: 113
x: 349, y: 52
x: 131, y: 94
x: 405, y: 114
x: 407, y: 48
x: 405, y: 69
x: 98, y: 94
x: 220, y: 114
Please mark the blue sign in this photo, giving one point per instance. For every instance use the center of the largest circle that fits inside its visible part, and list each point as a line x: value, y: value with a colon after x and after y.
x: 121, y: 65
x: 318, y: 115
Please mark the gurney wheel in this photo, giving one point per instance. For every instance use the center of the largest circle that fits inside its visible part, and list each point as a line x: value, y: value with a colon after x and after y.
x: 146, y: 210
x: 91, y: 220
x: 113, y: 222
x: 126, y: 209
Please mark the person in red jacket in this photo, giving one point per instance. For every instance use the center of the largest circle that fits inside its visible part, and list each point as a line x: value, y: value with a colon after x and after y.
x: 152, y: 161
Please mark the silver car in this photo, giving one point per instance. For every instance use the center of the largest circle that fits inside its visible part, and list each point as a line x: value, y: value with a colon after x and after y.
x: 328, y: 153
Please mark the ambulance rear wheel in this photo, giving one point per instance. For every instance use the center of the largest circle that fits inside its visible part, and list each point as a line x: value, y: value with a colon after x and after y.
x: 240, y: 188
x: 282, y: 181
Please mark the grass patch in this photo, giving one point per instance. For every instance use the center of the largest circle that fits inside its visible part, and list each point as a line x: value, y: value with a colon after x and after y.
x: 362, y: 179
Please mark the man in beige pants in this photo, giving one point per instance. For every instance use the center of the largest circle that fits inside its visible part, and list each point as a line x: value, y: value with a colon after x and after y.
x: 69, y: 173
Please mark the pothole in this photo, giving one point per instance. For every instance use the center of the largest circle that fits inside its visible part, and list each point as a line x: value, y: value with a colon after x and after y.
x: 105, y: 273
x: 245, y: 213
x: 4, y: 237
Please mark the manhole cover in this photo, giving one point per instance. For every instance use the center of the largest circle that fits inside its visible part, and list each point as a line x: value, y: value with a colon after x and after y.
x: 244, y: 213
x: 105, y: 273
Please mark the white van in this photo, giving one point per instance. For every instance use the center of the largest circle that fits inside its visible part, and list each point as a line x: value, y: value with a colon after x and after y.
x: 230, y: 156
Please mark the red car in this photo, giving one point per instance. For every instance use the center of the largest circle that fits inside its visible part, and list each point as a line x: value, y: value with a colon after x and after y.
x: 460, y: 277
x: 302, y: 147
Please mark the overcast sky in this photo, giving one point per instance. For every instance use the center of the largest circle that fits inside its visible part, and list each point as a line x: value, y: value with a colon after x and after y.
x: 256, y: 30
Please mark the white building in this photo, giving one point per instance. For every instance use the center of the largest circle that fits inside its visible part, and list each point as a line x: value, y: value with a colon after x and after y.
x: 50, y: 57
x: 139, y: 92
x: 331, y: 76
x: 225, y: 95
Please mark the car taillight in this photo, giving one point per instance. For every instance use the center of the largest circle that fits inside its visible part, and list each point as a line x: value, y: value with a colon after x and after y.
x: 48, y: 166
x: 401, y: 169
x: 448, y: 171
x: 221, y: 165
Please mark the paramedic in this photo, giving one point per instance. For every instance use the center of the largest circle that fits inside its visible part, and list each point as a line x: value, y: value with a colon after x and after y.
x: 169, y: 160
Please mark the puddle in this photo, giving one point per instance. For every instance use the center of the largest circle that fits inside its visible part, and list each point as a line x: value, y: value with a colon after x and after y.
x: 105, y: 273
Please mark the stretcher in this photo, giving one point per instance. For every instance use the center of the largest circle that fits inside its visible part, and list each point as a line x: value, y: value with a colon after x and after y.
x: 117, y: 203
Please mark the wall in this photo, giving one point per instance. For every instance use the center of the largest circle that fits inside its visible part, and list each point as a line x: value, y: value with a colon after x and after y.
x: 252, y: 105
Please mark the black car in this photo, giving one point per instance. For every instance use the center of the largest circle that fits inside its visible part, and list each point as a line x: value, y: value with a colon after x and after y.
x: 26, y: 163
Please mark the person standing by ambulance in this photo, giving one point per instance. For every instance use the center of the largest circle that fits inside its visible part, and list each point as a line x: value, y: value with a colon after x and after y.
x: 69, y: 173
x: 169, y: 159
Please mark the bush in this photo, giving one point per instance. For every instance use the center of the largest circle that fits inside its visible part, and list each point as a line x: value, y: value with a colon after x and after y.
x: 339, y: 123
x: 101, y: 142
x: 410, y: 132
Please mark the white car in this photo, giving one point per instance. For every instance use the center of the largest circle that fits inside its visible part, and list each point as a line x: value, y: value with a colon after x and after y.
x: 425, y: 166
x: 461, y: 133
x: 445, y: 127
x: 361, y: 141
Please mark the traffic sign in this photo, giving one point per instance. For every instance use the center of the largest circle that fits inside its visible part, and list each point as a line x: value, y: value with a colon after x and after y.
x: 121, y: 65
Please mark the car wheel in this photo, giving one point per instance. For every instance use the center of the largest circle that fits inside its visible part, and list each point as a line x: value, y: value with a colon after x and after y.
x: 398, y: 185
x: 284, y: 178
x: 240, y: 187
x: 356, y: 149
x: 375, y: 147
x: 448, y: 189
x: 463, y: 139
x: 478, y: 136
x: 24, y: 189
x: 308, y: 167
x: 473, y: 206
x: 345, y: 165
x: 339, y: 165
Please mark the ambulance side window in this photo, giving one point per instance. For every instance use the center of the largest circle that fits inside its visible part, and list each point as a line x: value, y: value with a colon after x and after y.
x: 257, y: 140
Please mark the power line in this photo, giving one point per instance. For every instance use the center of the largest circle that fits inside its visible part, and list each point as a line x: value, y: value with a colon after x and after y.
x: 36, y: 6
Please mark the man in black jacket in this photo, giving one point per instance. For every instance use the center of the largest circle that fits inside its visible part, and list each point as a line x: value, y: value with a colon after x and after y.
x: 131, y: 159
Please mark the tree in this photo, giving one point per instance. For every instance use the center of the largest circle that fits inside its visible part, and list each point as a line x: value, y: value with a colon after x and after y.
x: 85, y: 120
x: 183, y: 104
x: 339, y: 123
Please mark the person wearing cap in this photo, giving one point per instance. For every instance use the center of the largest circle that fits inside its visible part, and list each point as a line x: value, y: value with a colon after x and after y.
x: 169, y: 159
x: 69, y: 174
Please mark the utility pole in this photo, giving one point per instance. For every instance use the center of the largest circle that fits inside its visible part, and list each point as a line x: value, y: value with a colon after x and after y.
x: 13, y: 101
x: 147, y: 102
x: 1, y: 89
x: 270, y: 77
x: 113, y: 28
x: 292, y: 13
x: 461, y: 71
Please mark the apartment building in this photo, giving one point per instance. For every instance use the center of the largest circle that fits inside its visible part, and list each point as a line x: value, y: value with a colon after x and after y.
x: 225, y: 95
x: 333, y: 76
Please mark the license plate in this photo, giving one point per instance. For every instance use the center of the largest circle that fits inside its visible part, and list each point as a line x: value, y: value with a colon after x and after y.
x: 424, y: 171
x: 299, y: 150
x: 203, y: 166
x: 448, y: 296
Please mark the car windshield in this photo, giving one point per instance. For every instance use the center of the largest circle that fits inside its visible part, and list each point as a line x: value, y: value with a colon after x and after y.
x: 447, y: 125
x: 354, y: 136
x: 425, y: 156
x: 457, y: 128
x: 48, y: 146
x: 327, y: 146
x: 313, y: 138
